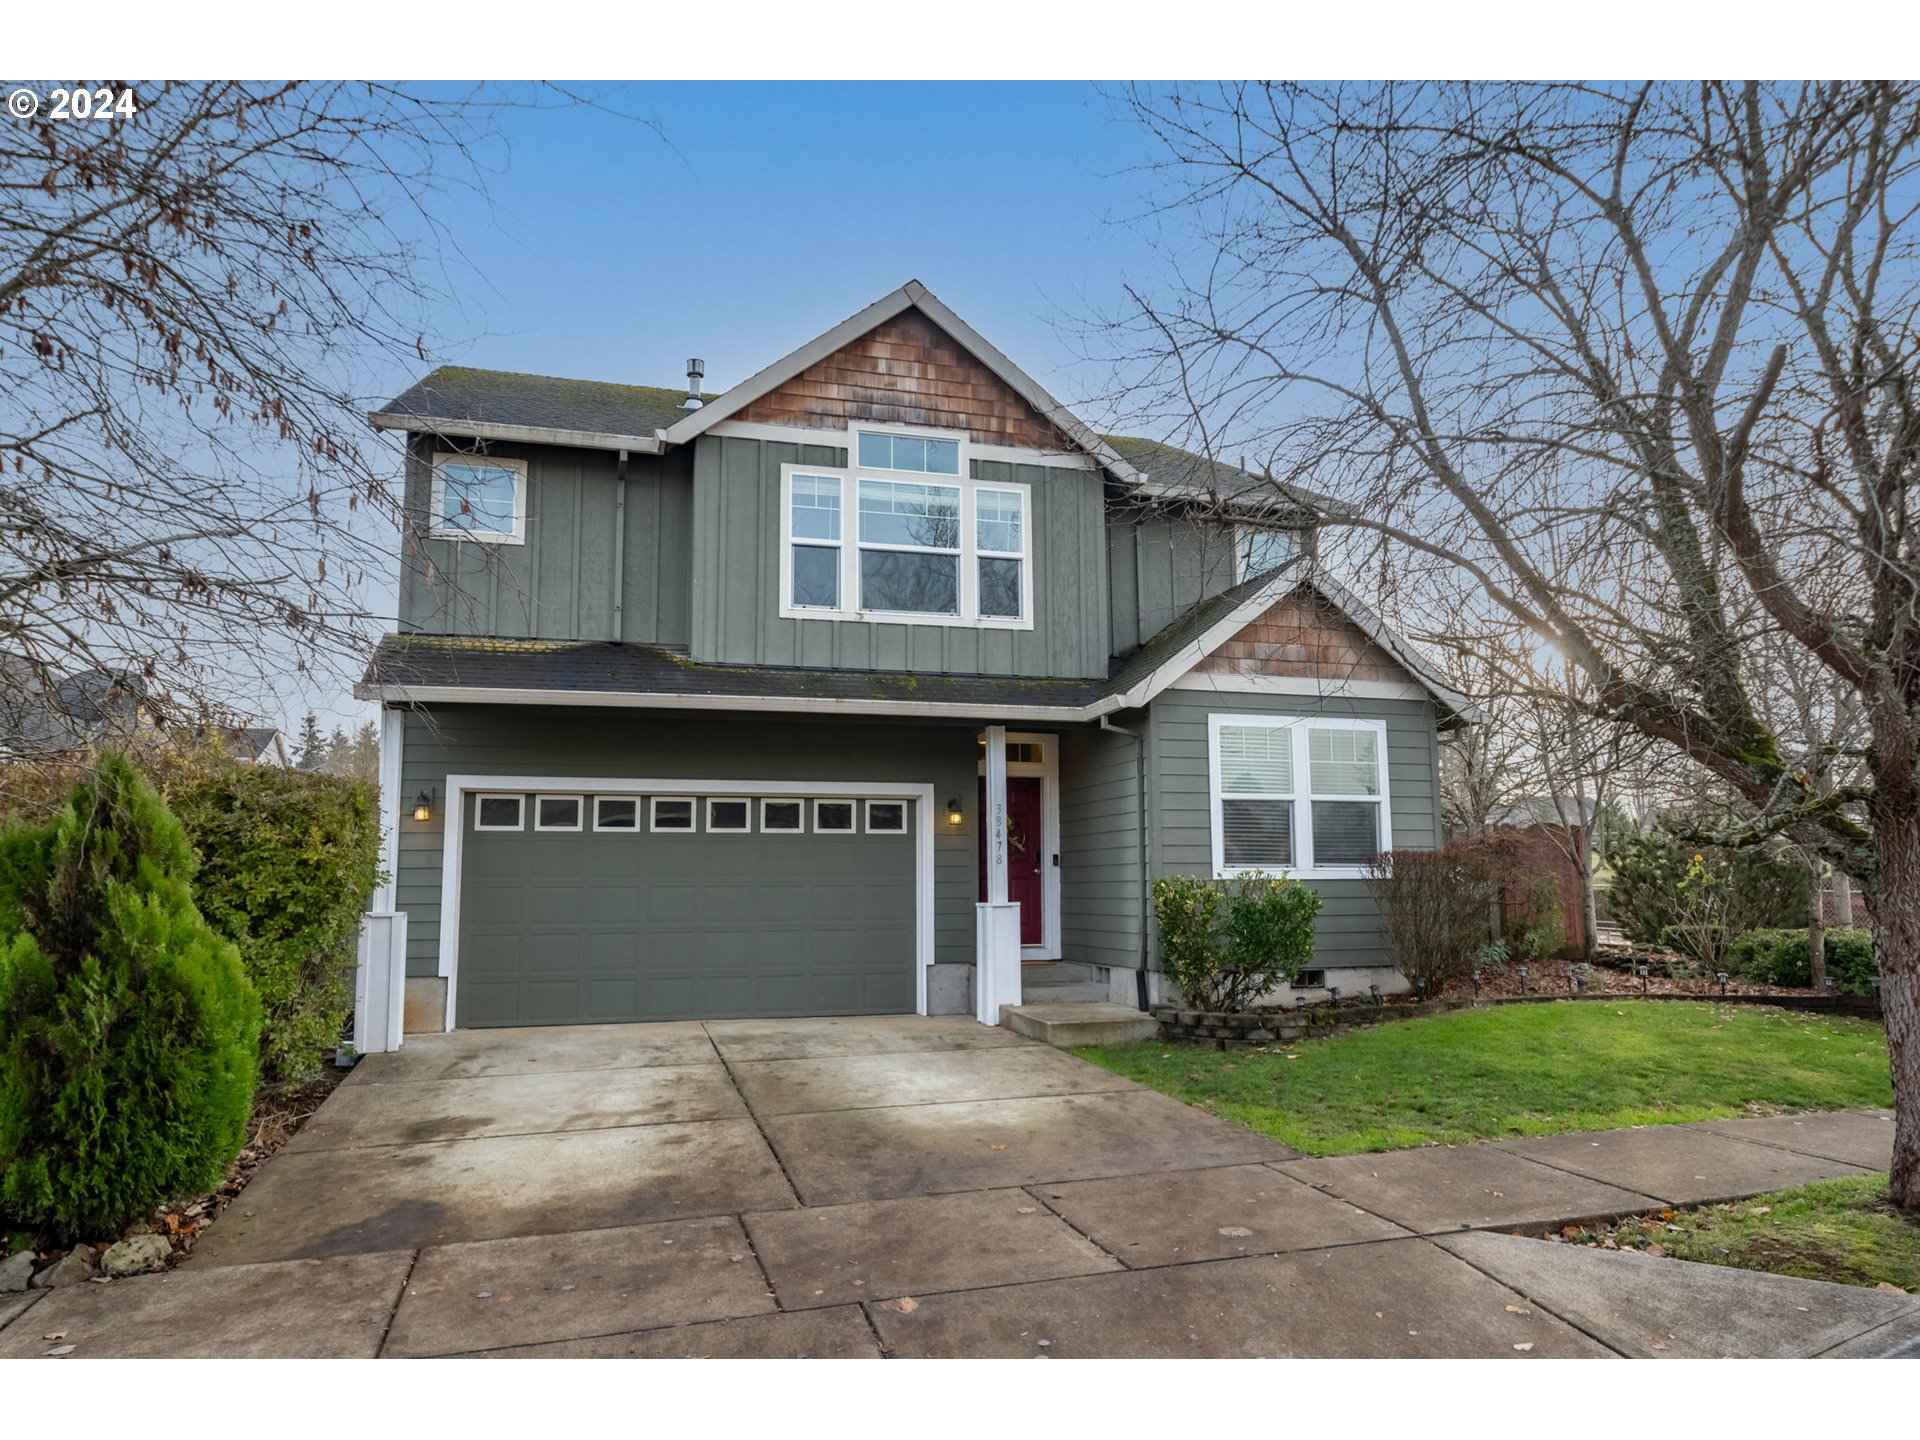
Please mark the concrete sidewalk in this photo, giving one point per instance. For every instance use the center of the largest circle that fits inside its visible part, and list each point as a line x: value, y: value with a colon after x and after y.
x: 933, y: 1188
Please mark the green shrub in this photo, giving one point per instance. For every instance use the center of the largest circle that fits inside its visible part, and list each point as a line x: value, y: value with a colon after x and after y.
x: 1436, y: 909
x: 1696, y: 899
x: 1782, y: 957
x: 129, y: 1033
x: 288, y: 863
x: 1225, y: 943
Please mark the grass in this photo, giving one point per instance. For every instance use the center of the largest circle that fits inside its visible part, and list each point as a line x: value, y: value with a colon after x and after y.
x: 1841, y: 1230
x: 1523, y: 1070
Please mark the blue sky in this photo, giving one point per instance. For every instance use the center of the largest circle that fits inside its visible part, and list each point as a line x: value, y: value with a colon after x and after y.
x: 767, y: 212
x: 759, y: 215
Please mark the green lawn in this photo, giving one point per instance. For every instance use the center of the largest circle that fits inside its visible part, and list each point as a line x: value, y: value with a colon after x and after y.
x: 1522, y: 1070
x: 1841, y: 1230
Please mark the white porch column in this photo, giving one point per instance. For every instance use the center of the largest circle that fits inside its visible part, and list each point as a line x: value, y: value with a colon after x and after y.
x: 997, y: 926
x: 993, y: 821
x: 393, y: 730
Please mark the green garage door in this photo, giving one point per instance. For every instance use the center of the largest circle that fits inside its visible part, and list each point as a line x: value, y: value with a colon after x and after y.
x: 582, y: 908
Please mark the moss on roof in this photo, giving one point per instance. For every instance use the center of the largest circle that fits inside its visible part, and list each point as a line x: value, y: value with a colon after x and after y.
x: 504, y: 397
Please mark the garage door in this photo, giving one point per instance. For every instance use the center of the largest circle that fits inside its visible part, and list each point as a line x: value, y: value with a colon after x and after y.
x: 600, y: 908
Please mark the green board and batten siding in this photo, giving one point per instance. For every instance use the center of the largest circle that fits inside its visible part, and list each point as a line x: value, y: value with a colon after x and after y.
x: 737, y: 534
x: 1348, y: 931
x: 1100, y: 913
x: 627, y: 744
x: 1162, y: 568
x: 559, y: 584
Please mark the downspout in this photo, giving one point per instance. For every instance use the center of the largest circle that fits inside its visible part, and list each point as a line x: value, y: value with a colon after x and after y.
x: 1146, y: 893
x: 620, y: 549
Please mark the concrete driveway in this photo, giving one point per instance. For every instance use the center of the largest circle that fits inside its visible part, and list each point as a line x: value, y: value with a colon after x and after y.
x: 898, y: 1186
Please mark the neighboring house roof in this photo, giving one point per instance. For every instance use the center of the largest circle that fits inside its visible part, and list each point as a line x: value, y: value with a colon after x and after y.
x: 475, y: 670
x: 1544, y: 810
x: 42, y: 713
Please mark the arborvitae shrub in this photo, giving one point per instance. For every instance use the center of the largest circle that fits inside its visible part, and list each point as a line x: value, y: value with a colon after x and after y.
x: 129, y: 1033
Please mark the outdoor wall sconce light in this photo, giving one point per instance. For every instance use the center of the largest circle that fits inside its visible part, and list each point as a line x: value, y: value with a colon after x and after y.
x: 423, y: 805
x: 954, y: 814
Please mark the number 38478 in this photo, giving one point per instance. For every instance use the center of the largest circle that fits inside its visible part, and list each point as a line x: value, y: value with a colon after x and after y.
x: 90, y: 104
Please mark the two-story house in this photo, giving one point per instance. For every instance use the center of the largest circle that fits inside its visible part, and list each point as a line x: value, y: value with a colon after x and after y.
x: 803, y: 698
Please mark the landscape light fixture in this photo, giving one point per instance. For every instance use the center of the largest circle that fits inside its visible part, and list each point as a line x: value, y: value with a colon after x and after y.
x: 423, y: 806
x: 954, y: 814
x: 1374, y: 991
x: 1333, y: 994
x: 1721, y: 976
x: 1523, y: 979
x: 1476, y: 983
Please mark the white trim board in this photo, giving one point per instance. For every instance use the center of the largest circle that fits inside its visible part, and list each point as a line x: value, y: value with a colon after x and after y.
x: 1047, y: 768
x: 442, y: 428
x: 452, y: 852
x: 393, y: 741
x: 1225, y: 684
x: 844, y: 439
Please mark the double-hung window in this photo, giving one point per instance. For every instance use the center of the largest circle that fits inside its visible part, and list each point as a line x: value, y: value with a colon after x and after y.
x: 477, y: 498
x: 905, y: 533
x: 1306, y: 795
x: 909, y: 547
x: 813, y: 529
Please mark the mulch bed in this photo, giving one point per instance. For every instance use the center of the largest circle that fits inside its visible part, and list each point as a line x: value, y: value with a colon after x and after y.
x: 1603, y: 978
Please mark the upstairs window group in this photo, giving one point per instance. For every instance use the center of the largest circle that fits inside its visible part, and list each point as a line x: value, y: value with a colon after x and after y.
x: 924, y: 542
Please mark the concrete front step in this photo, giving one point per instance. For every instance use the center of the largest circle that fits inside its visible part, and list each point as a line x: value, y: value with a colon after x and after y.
x: 1079, y: 1024
x: 1064, y: 992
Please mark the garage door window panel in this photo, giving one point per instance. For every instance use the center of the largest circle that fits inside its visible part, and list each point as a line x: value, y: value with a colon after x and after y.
x: 729, y: 817
x: 673, y: 814
x: 833, y: 817
x: 499, y: 812
x: 783, y: 817
x: 557, y: 812
x: 616, y: 812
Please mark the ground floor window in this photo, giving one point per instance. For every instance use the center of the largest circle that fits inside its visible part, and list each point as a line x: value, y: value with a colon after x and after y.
x: 1304, y: 794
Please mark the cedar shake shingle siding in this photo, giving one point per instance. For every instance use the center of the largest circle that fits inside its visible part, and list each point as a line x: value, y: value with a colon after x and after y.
x: 906, y: 371
x: 1306, y: 637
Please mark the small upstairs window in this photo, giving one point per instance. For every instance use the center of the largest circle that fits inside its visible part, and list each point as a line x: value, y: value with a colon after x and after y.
x: 476, y: 498
x: 813, y: 525
x: 1258, y: 551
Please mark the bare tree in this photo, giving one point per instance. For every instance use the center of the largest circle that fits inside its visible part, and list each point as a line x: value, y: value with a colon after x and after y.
x: 1630, y: 367
x: 197, y: 287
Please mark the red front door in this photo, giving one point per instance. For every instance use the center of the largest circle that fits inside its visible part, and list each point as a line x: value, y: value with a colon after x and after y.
x: 1026, y: 864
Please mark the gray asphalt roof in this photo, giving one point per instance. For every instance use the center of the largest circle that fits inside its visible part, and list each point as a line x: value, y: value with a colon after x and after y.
x: 502, y: 397
x: 456, y: 393
x: 434, y: 661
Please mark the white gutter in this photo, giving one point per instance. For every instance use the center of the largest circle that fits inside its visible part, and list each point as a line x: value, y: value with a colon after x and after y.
x: 628, y: 700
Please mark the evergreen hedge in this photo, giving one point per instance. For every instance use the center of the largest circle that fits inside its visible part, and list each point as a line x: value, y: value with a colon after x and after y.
x: 288, y: 863
x: 1781, y: 957
x: 129, y: 1033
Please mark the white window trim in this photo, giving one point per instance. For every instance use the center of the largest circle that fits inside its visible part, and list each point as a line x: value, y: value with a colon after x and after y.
x: 1303, y: 796
x: 901, y: 829
x: 693, y: 815
x: 849, y: 544
x: 766, y: 829
x: 852, y: 829
x: 460, y: 786
x: 713, y: 829
x: 633, y: 829
x: 579, y: 812
x: 520, y: 812
x: 437, y: 527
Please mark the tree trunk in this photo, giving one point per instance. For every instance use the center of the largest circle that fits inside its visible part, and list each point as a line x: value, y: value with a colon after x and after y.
x: 1896, y: 913
x: 1589, y: 904
x: 1842, y: 900
x: 1817, y: 927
